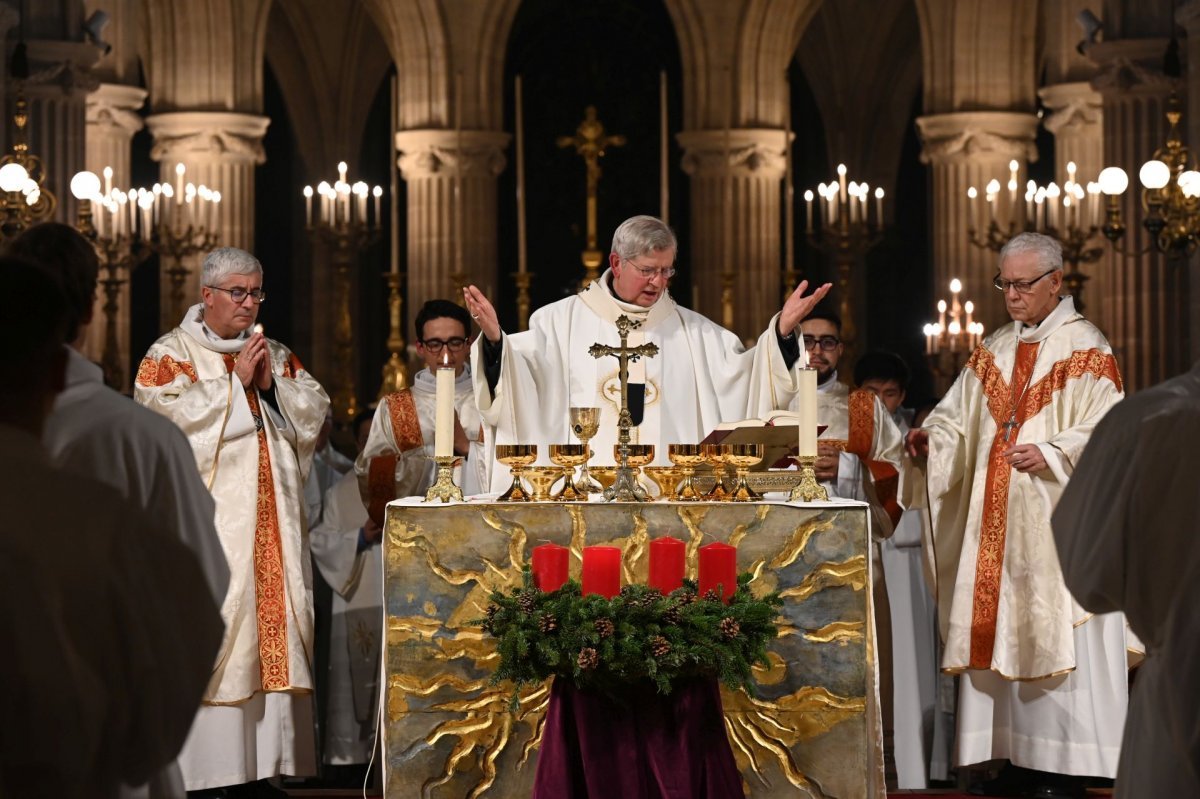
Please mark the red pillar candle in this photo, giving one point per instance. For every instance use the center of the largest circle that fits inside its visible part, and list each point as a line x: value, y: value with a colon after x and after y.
x: 666, y: 564
x: 718, y: 566
x: 602, y: 571
x: 550, y: 566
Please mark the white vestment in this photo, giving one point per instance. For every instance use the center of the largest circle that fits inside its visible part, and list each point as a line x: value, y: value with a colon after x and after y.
x: 702, y: 372
x: 1044, y: 683
x: 398, y: 455
x: 97, y: 432
x: 1126, y: 532
x: 256, y: 722
x: 328, y: 466
x: 109, y: 632
x: 356, y: 623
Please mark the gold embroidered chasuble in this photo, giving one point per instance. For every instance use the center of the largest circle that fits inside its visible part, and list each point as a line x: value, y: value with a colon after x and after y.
x: 1002, y: 604
x: 255, y: 460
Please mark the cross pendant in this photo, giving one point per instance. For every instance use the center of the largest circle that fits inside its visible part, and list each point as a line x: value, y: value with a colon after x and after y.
x: 1009, y: 427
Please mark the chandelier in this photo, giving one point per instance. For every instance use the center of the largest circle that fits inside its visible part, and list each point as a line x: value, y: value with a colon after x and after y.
x: 24, y: 198
x: 1170, y: 194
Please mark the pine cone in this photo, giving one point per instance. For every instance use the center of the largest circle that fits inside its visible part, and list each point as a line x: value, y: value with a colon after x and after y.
x: 672, y: 615
x: 527, y: 601
x: 489, y: 622
x: 588, y: 659
x: 659, y: 646
x: 604, y: 627
x: 627, y: 590
x: 686, y: 598
x: 729, y: 628
x: 547, y: 623
x: 712, y: 595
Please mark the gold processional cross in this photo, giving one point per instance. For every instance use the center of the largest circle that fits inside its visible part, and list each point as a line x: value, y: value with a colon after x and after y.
x: 625, y: 488
x: 590, y: 142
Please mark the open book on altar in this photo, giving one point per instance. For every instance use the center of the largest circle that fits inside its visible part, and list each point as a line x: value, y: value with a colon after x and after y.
x: 778, y: 432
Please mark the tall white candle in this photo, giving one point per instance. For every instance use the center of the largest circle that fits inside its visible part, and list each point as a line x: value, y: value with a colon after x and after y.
x: 443, y: 427
x: 808, y: 413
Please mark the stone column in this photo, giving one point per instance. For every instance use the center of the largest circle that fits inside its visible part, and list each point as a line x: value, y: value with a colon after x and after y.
x: 735, y: 199
x: 1076, y: 120
x: 1145, y: 310
x: 57, y: 91
x: 440, y: 261
x: 219, y: 149
x: 111, y: 123
x: 964, y: 150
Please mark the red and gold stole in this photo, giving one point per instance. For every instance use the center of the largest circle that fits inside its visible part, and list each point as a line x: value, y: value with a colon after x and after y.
x: 381, y: 472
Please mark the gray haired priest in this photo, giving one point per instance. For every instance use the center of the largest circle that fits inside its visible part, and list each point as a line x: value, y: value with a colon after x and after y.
x: 526, y: 382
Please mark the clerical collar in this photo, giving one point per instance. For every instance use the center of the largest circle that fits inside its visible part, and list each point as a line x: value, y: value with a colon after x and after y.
x: 194, y: 325
x: 1063, y: 313
x: 607, y: 283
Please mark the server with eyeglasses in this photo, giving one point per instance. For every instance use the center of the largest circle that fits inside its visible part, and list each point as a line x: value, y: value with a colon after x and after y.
x: 252, y: 414
x: 1043, y: 683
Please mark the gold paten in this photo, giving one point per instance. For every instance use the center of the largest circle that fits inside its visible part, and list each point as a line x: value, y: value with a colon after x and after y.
x: 448, y: 732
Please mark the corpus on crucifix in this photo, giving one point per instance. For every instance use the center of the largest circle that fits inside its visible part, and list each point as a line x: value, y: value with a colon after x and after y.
x: 590, y: 141
x: 625, y: 488
x: 527, y: 382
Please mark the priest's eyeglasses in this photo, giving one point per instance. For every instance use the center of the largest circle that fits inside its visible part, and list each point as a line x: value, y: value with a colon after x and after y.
x: 239, y: 294
x: 1021, y: 286
x: 827, y: 343
x: 648, y: 273
x: 453, y: 344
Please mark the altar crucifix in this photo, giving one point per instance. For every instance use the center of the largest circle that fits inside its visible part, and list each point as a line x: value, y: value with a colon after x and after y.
x: 590, y: 141
x: 625, y: 488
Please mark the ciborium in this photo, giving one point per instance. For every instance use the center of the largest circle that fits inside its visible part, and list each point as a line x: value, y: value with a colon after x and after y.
x: 687, y: 457
x: 517, y: 458
x: 666, y: 478
x: 742, y: 457
x: 585, y: 423
x: 541, y: 478
x: 714, y: 456
x: 568, y: 456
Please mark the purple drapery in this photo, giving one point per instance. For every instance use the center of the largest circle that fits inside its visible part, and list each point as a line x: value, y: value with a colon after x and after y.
x: 646, y: 746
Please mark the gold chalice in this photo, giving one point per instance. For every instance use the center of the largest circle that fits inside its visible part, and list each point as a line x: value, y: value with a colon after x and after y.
x: 714, y: 456
x: 541, y: 478
x: 742, y: 457
x: 639, y: 454
x: 666, y: 478
x: 605, y: 475
x: 687, y: 457
x: 568, y: 456
x: 585, y: 423
x: 516, y: 457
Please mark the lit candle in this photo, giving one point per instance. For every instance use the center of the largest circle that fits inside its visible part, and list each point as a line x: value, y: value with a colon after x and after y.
x: 718, y: 569
x: 602, y: 571
x: 808, y: 413
x: 342, y: 171
x: 377, y: 193
x: 108, y: 173
x: 667, y: 556
x: 308, y: 192
x: 973, y: 196
x: 928, y: 330
x: 841, y: 170
x: 179, y: 170
x: 879, y: 208
x: 550, y: 566
x: 808, y: 206
x: 941, y: 314
x: 443, y: 427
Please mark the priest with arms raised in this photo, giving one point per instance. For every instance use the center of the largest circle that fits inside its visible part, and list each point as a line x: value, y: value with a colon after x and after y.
x: 252, y: 414
x: 526, y: 383
x: 1043, y: 682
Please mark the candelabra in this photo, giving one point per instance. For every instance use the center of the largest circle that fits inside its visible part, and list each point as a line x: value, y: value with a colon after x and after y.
x: 1170, y: 197
x: 1070, y: 214
x: 342, y: 222
x: 947, y: 344
x: 395, y: 370
x: 843, y: 229
x: 24, y: 198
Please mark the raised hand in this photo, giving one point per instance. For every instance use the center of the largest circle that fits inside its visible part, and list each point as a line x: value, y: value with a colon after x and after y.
x: 482, y: 312
x: 799, y: 306
x: 917, y: 443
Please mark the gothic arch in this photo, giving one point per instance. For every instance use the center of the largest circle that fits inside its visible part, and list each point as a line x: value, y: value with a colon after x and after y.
x: 419, y: 41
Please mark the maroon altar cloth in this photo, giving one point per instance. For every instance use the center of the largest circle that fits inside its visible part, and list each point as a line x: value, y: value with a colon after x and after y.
x: 646, y: 746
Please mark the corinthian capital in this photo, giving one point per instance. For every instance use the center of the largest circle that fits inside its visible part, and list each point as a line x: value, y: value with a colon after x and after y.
x: 113, y: 107
x: 745, y: 152
x: 1132, y: 66
x: 426, y: 153
x: 974, y: 135
x: 220, y: 135
x: 1075, y: 108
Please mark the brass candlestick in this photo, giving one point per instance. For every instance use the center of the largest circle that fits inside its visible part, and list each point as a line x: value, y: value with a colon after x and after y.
x: 395, y: 370
x: 444, y: 488
x: 522, y: 279
x: 808, y: 489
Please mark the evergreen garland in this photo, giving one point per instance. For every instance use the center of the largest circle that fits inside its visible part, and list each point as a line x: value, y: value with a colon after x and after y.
x: 604, y: 644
